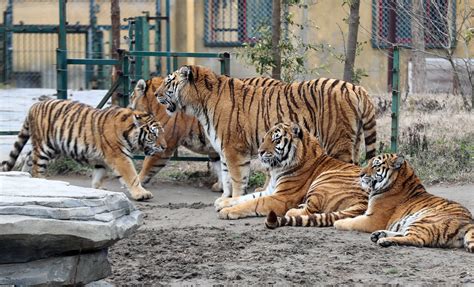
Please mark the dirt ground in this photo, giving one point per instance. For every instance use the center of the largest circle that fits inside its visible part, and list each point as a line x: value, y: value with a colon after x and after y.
x: 183, y: 242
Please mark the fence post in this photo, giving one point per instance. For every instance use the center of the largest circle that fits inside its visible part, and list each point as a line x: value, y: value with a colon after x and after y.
x: 8, y: 38
x: 125, y: 79
x: 395, y: 99
x: 61, y: 53
x: 225, y: 64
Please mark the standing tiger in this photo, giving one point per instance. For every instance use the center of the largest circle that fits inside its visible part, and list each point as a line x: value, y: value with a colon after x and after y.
x: 179, y: 129
x: 91, y: 136
x: 236, y: 116
x: 402, y: 212
x: 300, y: 172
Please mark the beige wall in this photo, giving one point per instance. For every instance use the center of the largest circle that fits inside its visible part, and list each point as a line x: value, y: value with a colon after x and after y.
x: 187, y: 29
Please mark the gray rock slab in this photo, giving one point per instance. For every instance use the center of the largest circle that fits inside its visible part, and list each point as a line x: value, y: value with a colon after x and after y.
x: 66, y: 270
x: 40, y: 218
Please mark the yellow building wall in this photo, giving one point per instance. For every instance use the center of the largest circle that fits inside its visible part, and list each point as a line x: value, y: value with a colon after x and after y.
x: 187, y: 30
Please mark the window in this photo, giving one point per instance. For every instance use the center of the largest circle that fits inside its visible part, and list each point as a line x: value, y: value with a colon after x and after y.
x: 438, y: 20
x: 233, y: 22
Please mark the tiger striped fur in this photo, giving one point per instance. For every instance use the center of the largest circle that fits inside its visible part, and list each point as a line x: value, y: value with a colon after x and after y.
x: 179, y: 129
x: 90, y: 136
x: 360, y: 108
x: 300, y: 173
x: 402, y: 212
x: 235, y: 116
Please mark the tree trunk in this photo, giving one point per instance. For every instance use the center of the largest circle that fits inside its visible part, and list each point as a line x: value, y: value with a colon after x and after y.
x: 276, y: 34
x: 418, y: 48
x: 457, y: 86
x: 352, y: 41
x: 115, y: 20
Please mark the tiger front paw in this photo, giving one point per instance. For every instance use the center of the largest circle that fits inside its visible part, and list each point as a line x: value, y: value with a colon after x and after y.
x: 222, y: 202
x: 343, y: 224
x: 228, y: 213
x: 142, y: 194
x: 376, y: 235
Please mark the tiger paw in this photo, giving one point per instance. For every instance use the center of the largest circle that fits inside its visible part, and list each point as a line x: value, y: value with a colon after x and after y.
x: 376, y: 235
x: 385, y: 242
x: 228, y: 213
x: 343, y: 224
x: 296, y: 212
x: 222, y: 202
x: 142, y: 195
x: 217, y: 187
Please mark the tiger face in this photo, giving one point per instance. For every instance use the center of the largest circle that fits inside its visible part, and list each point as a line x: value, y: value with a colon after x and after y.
x: 150, y: 133
x: 170, y: 92
x: 280, y: 145
x: 380, y: 172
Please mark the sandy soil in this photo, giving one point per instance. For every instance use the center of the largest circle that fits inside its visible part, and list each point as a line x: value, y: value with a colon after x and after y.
x: 182, y: 242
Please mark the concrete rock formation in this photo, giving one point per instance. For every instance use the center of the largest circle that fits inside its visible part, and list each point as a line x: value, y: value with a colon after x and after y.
x: 45, y: 224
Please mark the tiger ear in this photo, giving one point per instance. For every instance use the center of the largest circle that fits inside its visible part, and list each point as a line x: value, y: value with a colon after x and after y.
x: 187, y: 73
x: 137, y: 120
x: 399, y: 161
x: 296, y: 130
x: 138, y: 93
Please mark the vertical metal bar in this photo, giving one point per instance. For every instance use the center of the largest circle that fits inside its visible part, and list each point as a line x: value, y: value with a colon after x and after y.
x: 99, y: 54
x: 90, y: 42
x: 392, y: 28
x: 225, y: 64
x: 395, y: 99
x: 175, y: 63
x: 138, y: 47
x: 125, y: 81
x: 158, y: 37
x: 146, y: 47
x: 168, y: 37
x: 61, y: 53
x: 8, y: 22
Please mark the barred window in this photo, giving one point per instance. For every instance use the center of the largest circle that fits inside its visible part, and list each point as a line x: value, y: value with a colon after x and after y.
x: 438, y: 20
x: 234, y: 22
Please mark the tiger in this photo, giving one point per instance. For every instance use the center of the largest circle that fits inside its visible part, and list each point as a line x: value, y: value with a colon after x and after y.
x: 307, y: 187
x: 236, y: 116
x: 179, y: 129
x: 107, y: 137
x: 402, y: 212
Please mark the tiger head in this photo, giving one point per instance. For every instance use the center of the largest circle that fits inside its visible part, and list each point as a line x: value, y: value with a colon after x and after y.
x: 149, y: 134
x: 381, y: 172
x: 182, y: 88
x: 281, y: 146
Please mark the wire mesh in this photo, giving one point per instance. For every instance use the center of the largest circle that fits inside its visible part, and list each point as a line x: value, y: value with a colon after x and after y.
x: 437, y: 20
x: 234, y: 22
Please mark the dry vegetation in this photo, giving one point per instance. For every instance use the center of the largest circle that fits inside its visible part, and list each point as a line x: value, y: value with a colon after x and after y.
x: 436, y: 135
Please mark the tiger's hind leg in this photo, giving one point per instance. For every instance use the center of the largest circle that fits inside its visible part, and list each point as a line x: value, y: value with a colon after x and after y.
x: 412, y: 239
x: 41, y: 156
x: 376, y: 235
x: 98, y: 176
x: 153, y: 164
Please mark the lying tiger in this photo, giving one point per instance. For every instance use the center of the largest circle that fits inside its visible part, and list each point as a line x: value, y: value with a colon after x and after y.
x: 300, y: 172
x: 402, y: 212
x: 107, y: 137
x: 235, y: 116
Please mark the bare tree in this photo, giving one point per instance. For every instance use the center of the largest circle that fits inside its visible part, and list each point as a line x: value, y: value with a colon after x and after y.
x: 449, y: 34
x: 115, y: 20
x: 276, y: 34
x: 351, y: 40
x: 418, y: 44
